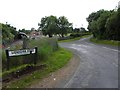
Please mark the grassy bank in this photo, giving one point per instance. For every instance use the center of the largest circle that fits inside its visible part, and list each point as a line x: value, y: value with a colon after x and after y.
x: 74, y: 39
x: 46, y: 47
x: 107, y: 42
x: 70, y: 40
x: 54, y: 62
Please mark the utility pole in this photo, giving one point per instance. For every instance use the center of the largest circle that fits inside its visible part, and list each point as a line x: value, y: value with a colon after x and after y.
x: 119, y: 4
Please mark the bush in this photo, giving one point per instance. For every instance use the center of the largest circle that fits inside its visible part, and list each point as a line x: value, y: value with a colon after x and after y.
x: 64, y: 38
x: 74, y: 35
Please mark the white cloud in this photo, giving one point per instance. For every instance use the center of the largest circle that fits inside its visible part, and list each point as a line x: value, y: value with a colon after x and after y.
x: 27, y: 13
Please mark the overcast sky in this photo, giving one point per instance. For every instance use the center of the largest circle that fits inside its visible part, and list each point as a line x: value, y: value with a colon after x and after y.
x: 28, y: 13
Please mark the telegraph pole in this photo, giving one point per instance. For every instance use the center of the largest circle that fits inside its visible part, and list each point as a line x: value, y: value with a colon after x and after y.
x: 119, y: 4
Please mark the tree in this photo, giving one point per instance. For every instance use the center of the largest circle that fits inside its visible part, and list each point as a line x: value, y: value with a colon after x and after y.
x: 0, y: 30
x: 48, y: 25
x: 105, y: 24
x: 93, y: 17
x: 97, y: 21
x: 113, y: 26
x: 64, y: 25
x: 101, y: 21
x: 25, y: 31
x: 52, y: 25
x: 76, y: 30
x: 8, y: 33
x: 93, y: 28
x: 82, y: 29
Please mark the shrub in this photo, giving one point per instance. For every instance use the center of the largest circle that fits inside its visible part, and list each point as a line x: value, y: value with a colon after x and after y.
x: 45, y: 46
x: 64, y: 38
x: 74, y: 35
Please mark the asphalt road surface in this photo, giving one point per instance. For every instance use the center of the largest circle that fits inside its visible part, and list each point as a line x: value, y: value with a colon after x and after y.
x: 98, y: 66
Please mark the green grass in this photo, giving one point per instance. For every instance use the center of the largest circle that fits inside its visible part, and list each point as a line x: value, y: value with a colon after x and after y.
x: 54, y: 62
x: 46, y: 46
x: 70, y: 40
x: 5, y: 73
x: 74, y: 39
x: 107, y: 42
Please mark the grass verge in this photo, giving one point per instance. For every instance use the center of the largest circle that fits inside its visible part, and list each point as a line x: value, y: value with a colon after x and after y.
x: 107, y: 42
x: 46, y: 46
x: 57, y: 60
x: 74, y: 39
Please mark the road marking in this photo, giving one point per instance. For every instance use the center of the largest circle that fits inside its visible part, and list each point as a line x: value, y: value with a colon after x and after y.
x: 70, y: 81
x: 112, y: 49
x: 91, y: 43
x: 115, y: 64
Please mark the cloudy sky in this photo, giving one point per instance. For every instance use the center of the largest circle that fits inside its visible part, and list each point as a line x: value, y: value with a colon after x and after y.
x: 28, y: 13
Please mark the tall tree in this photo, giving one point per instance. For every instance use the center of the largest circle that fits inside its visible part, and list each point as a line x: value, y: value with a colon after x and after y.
x: 105, y: 24
x: 101, y: 21
x: 76, y: 30
x: 8, y: 33
x: 93, y: 17
x: 64, y: 25
x: 82, y: 29
x: 48, y: 25
x: 113, y: 26
x: 52, y: 25
x: 25, y: 31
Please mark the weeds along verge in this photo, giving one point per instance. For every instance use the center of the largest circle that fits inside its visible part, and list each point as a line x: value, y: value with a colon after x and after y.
x: 46, y: 46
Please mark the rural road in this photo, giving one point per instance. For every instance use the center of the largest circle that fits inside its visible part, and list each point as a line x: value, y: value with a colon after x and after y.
x: 98, y: 67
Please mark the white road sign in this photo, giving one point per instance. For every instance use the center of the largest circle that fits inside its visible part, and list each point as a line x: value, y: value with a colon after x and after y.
x: 21, y: 52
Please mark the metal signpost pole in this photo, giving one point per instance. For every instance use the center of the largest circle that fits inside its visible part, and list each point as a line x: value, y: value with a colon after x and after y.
x: 35, y: 56
x: 8, y: 58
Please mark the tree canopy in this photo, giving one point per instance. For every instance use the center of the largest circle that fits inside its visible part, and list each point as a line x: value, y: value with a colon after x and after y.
x: 105, y: 24
x: 51, y: 25
x: 8, y: 33
x: 25, y: 31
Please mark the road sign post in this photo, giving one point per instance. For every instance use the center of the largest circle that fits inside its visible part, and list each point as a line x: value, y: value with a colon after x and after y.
x: 35, y: 55
x: 8, y: 58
